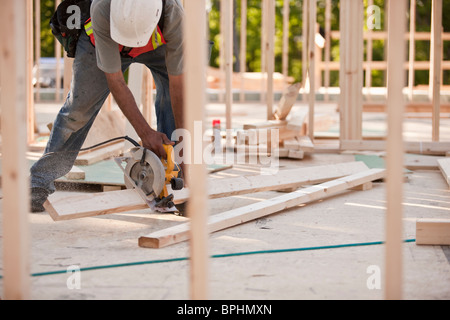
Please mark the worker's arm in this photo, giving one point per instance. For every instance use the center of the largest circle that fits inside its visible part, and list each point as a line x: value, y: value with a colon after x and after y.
x: 151, y: 139
x: 176, y: 87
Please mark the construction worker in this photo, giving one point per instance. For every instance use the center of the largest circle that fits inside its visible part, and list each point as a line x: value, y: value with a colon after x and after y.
x: 118, y: 33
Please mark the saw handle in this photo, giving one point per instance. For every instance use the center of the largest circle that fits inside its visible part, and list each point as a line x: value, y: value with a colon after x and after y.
x: 170, y: 161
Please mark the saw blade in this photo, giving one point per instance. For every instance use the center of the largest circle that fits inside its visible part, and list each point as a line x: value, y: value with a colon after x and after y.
x: 146, y: 171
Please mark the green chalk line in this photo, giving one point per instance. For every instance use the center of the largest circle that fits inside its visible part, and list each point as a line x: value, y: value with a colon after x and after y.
x: 226, y: 255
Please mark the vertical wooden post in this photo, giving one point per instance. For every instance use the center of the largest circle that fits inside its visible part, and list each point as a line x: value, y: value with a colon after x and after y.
x: 228, y: 51
x: 312, y: 65
x: 369, y: 54
x: 243, y: 53
x: 264, y: 4
x: 13, y: 101
x: 327, y: 47
x: 222, y: 68
x: 30, y: 94
x: 435, y: 67
x: 37, y: 46
x: 195, y: 101
x: 395, y: 148
x: 412, y: 48
x: 305, y: 18
x: 58, y: 64
x: 270, y: 56
x: 351, y: 71
x: 285, y: 55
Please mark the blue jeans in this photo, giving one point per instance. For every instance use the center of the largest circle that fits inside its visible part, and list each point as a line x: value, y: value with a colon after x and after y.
x: 88, y: 92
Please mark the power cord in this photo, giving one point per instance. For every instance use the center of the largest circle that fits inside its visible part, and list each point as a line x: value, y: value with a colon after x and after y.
x: 112, y: 140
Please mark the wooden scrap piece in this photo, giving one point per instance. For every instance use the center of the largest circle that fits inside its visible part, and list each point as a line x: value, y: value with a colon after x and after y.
x: 237, y: 216
x: 433, y: 232
x: 119, y: 201
x: 76, y: 174
x: 444, y: 166
x: 305, y: 144
x: 287, y: 101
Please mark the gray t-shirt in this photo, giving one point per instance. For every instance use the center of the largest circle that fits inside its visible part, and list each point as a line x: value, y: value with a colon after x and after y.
x: 107, y: 50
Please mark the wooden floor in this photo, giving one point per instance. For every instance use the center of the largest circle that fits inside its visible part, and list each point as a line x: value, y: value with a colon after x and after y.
x: 326, y: 249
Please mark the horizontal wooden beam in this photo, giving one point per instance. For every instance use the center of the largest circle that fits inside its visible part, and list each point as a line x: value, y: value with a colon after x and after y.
x: 424, y: 107
x: 244, y: 214
x: 382, y: 65
x: 382, y: 35
x: 419, y: 147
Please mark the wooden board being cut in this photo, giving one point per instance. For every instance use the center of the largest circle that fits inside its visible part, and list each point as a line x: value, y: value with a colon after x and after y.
x: 102, y: 203
x: 244, y: 214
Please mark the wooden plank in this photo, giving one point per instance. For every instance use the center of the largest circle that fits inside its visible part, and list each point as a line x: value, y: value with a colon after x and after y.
x: 37, y: 45
x: 31, y: 117
x: 93, y: 204
x: 395, y: 149
x: 433, y: 232
x: 418, y: 147
x: 287, y: 101
x: 435, y: 69
x: 305, y: 143
x: 270, y: 55
x: 296, y: 154
x: 271, y: 124
x: 194, y: 109
x: 351, y: 66
x: 411, y: 107
x: 244, y: 214
x: 243, y: 48
x: 297, y: 120
x: 227, y: 33
x: 412, y: 48
x: 291, y: 144
x: 421, y: 162
x: 13, y: 102
x: 101, y: 203
x: 285, y: 51
x: 444, y: 166
x: 76, y: 174
x: 311, y: 64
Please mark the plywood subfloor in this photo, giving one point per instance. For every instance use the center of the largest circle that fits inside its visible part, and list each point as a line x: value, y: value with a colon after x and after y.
x: 355, y: 217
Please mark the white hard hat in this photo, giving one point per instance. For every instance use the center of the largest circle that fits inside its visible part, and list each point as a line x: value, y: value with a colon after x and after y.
x: 133, y: 21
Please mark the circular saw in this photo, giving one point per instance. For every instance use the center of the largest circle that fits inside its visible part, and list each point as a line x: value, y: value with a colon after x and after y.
x: 150, y: 177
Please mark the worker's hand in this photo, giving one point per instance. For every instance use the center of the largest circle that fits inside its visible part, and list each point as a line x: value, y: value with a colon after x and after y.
x: 154, y: 141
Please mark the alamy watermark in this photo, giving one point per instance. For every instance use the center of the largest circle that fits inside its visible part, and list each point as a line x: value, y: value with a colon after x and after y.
x: 373, y: 17
x: 253, y: 147
x: 74, y: 21
x: 74, y: 280
x: 374, y: 280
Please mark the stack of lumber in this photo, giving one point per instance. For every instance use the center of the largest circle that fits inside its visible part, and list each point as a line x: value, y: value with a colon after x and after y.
x: 307, y: 184
x: 291, y: 141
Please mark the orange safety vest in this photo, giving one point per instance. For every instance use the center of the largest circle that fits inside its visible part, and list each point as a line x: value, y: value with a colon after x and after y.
x: 156, y: 40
